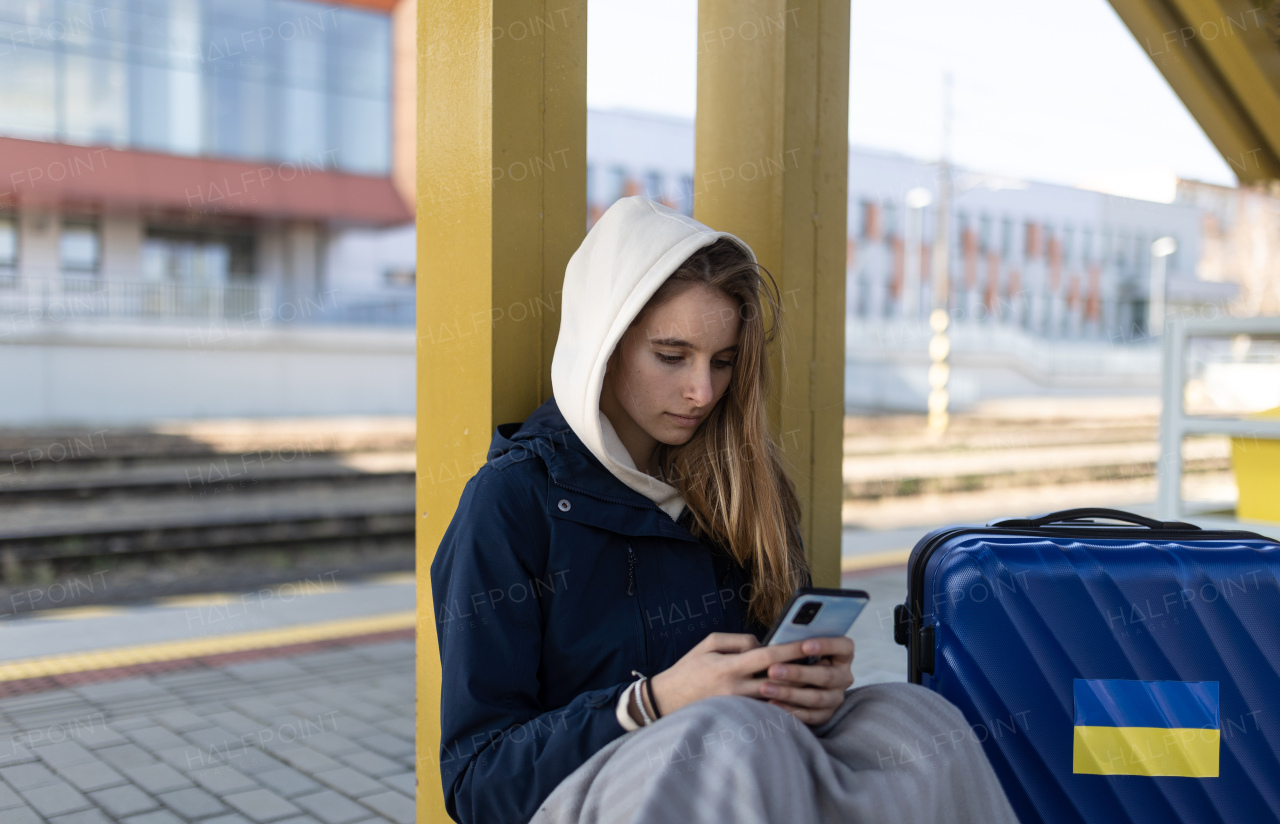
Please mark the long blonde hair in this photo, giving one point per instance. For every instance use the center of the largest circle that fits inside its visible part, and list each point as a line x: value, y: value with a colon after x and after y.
x: 730, y: 473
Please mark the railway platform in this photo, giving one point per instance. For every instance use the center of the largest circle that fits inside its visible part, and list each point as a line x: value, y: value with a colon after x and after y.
x: 291, y: 704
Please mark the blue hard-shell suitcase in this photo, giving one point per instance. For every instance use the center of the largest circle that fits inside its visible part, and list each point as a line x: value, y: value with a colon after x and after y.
x: 1112, y: 671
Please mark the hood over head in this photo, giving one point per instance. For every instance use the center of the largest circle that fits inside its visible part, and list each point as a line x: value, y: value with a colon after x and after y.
x: 627, y: 255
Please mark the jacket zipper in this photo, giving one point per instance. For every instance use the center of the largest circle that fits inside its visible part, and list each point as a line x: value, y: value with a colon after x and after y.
x: 631, y: 592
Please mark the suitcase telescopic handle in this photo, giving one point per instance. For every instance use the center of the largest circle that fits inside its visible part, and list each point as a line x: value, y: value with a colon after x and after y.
x: 1090, y: 512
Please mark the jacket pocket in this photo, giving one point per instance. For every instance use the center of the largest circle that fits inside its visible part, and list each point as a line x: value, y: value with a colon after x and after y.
x: 633, y: 592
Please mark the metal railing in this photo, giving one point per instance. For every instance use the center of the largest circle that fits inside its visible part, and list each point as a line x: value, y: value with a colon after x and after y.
x: 1176, y: 424
x: 43, y: 300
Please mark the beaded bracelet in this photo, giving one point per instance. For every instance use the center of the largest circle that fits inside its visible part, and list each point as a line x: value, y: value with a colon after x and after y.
x: 635, y: 689
x: 645, y: 720
x: 653, y: 702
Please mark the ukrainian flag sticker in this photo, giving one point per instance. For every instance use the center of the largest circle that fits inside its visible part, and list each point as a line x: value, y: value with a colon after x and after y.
x: 1146, y: 728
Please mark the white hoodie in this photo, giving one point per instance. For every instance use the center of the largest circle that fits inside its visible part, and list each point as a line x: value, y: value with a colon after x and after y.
x: 627, y: 255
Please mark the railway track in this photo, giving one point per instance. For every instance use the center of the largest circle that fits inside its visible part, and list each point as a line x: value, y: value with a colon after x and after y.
x: 68, y: 497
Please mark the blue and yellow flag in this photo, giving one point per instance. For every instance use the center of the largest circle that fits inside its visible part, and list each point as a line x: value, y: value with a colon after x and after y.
x: 1146, y: 728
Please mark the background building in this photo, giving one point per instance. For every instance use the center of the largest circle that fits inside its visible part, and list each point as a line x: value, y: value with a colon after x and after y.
x: 237, y: 178
x: 202, y: 174
x: 1241, y: 236
x: 1049, y: 285
x: 228, y: 146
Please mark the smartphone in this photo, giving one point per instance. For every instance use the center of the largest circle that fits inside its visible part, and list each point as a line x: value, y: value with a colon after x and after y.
x: 817, y: 613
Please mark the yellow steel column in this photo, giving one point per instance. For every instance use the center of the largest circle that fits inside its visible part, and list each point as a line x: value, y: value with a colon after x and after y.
x: 771, y: 166
x: 501, y: 194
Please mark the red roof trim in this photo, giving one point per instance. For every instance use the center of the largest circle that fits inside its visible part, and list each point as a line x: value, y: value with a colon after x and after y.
x: 53, y: 174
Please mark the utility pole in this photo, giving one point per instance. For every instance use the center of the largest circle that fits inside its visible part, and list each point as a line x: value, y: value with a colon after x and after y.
x: 940, y: 343
x: 913, y: 236
x: 1160, y: 251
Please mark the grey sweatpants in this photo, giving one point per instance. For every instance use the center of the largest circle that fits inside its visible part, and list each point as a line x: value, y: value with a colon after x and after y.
x: 891, y: 753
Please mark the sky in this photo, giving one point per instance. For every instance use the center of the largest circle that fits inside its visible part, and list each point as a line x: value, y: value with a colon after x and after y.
x: 1054, y: 92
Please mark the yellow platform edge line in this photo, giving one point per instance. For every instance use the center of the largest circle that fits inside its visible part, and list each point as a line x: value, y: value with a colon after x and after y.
x: 873, y: 560
x: 75, y: 613
x: 44, y: 666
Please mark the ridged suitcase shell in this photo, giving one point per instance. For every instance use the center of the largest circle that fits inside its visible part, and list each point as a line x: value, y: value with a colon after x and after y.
x: 1001, y: 620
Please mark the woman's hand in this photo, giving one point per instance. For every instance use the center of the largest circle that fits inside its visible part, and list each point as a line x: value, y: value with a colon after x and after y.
x: 812, y: 693
x: 725, y: 664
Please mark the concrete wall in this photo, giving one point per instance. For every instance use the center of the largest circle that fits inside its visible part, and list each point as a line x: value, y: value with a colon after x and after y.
x: 67, y: 373
x: 887, y: 366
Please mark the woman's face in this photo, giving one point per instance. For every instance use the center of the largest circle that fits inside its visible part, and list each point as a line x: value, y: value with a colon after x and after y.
x: 670, y: 369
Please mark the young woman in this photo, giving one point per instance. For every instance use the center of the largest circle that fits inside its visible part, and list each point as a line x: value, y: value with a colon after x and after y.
x: 607, y: 577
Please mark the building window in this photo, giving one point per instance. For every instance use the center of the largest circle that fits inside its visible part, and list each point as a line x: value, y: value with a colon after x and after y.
x: 984, y: 234
x: 185, y: 256
x: 890, y: 218
x: 401, y: 278
x: 617, y: 184
x: 1006, y: 237
x: 653, y: 185
x: 8, y: 250
x: 80, y: 248
x: 1033, y: 236
x: 686, y: 194
x: 284, y: 80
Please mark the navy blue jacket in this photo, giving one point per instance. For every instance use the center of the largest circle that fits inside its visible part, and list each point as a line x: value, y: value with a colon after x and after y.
x: 553, y: 582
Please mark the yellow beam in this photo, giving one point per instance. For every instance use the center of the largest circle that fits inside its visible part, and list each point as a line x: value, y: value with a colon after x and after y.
x: 1220, y: 60
x: 501, y: 190
x: 1234, y: 35
x: 771, y: 166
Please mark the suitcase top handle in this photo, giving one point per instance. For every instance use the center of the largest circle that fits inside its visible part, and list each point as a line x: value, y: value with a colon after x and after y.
x: 1090, y: 512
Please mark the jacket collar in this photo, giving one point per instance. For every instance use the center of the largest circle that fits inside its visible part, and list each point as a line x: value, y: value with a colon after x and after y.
x: 596, y: 497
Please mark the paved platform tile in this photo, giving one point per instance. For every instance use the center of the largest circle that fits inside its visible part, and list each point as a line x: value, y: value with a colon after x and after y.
x: 158, y: 817
x: 287, y: 781
x: 349, y: 782
x: 392, y: 805
x: 192, y: 803
x: 125, y: 755
x: 370, y: 763
x: 92, y: 776
x: 234, y: 818
x: 157, y: 778
x: 22, y: 815
x: 223, y: 780
x: 261, y: 805
x: 55, y: 799
x: 165, y: 749
x: 94, y: 816
x: 332, y: 808
x: 9, y: 798
x: 65, y: 754
x: 124, y: 801
x: 25, y: 776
